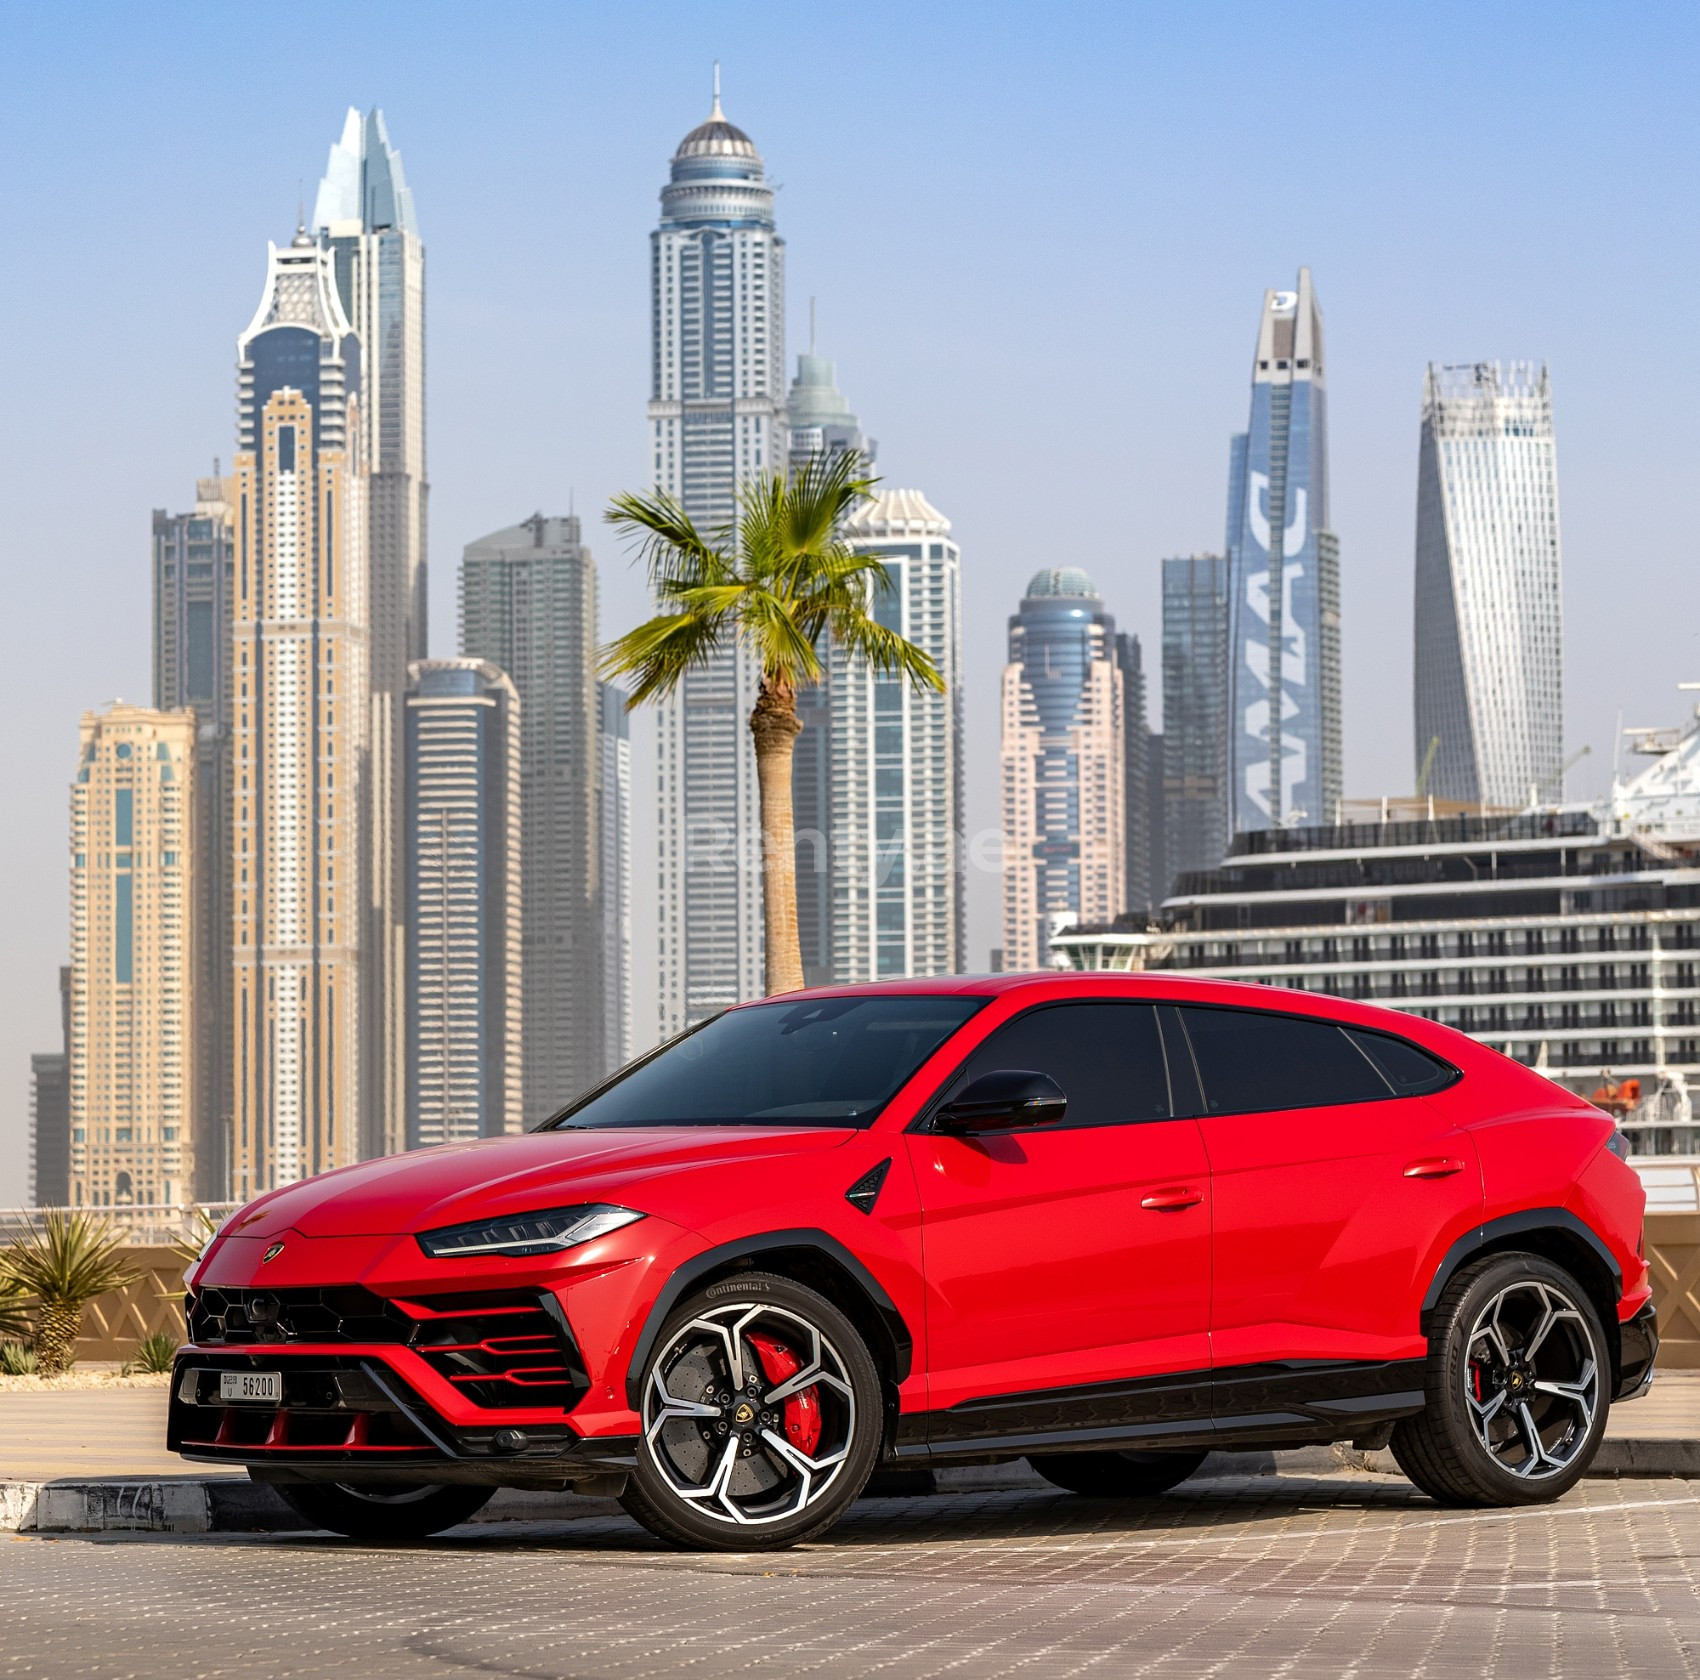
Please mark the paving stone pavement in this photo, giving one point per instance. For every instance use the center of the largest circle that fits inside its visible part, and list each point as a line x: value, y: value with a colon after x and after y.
x: 1269, y: 1576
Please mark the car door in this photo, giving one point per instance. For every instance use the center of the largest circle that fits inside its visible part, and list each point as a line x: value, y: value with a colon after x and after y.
x: 1073, y: 1255
x: 1336, y: 1189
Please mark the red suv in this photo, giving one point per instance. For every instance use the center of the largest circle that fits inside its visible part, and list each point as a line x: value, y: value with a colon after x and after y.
x: 1102, y: 1222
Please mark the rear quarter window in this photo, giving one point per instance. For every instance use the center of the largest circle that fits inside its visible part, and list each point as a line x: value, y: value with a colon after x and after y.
x: 1250, y: 1061
x: 1410, y: 1071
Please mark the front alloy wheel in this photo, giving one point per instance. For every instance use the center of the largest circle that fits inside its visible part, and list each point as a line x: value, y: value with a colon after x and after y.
x: 1517, y: 1387
x: 761, y: 1418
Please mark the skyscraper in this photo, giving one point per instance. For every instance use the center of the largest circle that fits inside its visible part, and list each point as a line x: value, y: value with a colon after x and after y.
x: 132, y: 1063
x: 1195, y: 715
x: 50, y: 1112
x: 364, y: 216
x: 1489, y: 616
x: 528, y: 605
x: 822, y: 423
x: 194, y: 580
x: 1064, y: 764
x: 300, y: 732
x: 1284, y: 761
x: 1139, y: 892
x: 716, y: 419
x: 895, y: 762
x: 461, y: 756
x: 614, y: 852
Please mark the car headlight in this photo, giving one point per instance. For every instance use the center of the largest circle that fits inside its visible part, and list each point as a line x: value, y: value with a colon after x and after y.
x: 528, y: 1233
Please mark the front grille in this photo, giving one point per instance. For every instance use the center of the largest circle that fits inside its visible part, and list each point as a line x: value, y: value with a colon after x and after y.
x: 500, y: 1349
x: 242, y: 1317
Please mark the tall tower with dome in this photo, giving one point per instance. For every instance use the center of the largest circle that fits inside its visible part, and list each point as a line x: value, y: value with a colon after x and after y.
x: 717, y: 418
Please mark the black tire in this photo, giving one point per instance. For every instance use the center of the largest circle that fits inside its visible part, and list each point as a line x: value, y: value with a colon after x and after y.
x: 1471, y: 1444
x: 1117, y: 1475
x: 745, y: 1450
x: 392, y: 1511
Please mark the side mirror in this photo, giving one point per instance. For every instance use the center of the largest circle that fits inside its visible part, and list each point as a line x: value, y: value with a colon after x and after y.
x: 1002, y: 1102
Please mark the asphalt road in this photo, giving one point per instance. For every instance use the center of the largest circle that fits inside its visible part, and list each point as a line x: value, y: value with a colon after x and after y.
x: 1347, y: 1577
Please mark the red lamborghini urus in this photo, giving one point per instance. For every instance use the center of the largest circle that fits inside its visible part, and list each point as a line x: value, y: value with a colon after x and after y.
x: 1105, y: 1223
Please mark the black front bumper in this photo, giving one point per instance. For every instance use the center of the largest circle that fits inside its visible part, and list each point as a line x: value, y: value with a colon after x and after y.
x: 345, y: 1417
x: 1638, y: 1344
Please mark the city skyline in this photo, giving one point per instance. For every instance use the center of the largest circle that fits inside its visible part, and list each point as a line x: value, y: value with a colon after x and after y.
x: 1441, y: 330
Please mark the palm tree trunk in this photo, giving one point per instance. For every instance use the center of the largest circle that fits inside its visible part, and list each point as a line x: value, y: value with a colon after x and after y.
x: 56, y: 1330
x: 775, y: 725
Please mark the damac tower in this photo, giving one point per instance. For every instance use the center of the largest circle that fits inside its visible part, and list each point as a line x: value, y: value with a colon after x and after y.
x: 1283, y: 755
x: 299, y: 732
x: 716, y: 419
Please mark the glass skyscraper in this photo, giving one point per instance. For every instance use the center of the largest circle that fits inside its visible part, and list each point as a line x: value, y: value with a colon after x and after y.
x: 364, y: 217
x: 1064, y: 767
x: 461, y: 750
x: 716, y: 419
x: 1489, y: 679
x: 1195, y: 715
x: 528, y: 605
x: 1283, y: 748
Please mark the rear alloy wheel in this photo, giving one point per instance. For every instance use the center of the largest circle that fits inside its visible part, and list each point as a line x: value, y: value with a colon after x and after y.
x: 761, y: 1418
x: 1518, y: 1387
x: 384, y: 1510
x: 1117, y: 1475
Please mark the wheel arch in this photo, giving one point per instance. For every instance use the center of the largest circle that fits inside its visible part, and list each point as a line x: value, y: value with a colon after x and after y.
x: 806, y: 1256
x: 1554, y: 1234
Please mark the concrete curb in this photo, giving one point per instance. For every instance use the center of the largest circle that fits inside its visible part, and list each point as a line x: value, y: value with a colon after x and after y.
x: 233, y: 1504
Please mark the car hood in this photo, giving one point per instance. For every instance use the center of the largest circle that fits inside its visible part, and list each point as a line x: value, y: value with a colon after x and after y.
x: 426, y: 1188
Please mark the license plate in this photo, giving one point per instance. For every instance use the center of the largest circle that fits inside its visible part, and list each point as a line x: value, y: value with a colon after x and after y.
x: 265, y: 1387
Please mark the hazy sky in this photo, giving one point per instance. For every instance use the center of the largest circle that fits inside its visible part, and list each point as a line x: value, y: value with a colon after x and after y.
x: 1039, y: 237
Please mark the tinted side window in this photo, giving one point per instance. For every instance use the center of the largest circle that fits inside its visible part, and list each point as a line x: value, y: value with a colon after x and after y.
x: 1107, y: 1058
x: 1409, y: 1071
x: 1248, y: 1061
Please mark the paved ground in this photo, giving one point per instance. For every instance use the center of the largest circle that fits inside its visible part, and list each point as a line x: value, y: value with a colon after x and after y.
x: 1347, y: 1577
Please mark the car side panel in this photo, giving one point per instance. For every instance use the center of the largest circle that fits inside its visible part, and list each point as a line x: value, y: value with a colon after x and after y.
x: 1609, y: 1198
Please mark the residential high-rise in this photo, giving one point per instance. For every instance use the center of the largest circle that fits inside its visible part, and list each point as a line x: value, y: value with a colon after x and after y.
x: 50, y: 1112
x: 528, y: 605
x: 894, y: 841
x: 133, y: 973
x: 614, y: 850
x: 1283, y: 758
x: 1064, y: 767
x: 364, y: 216
x: 300, y: 718
x: 194, y: 581
x: 1489, y: 615
x: 1195, y: 716
x: 1137, y: 779
x: 462, y: 878
x: 822, y: 423
x: 717, y: 419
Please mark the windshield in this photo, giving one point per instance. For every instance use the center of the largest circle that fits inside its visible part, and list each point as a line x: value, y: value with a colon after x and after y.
x: 824, y: 1062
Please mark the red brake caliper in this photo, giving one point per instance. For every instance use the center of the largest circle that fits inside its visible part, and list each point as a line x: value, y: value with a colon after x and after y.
x: 802, y: 1409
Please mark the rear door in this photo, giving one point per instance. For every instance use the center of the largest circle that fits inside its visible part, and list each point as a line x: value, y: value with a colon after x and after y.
x: 1337, y: 1188
x: 1071, y: 1256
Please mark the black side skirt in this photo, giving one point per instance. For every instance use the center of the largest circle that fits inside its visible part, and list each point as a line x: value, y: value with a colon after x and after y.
x: 1292, y: 1402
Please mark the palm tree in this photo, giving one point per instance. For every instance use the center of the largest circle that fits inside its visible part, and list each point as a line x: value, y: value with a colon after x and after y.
x: 781, y: 580
x: 66, y: 1262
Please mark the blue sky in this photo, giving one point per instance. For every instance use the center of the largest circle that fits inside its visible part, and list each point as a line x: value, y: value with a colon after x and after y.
x: 1038, y: 236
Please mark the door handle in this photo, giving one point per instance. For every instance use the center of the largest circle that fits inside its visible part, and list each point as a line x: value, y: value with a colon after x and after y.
x: 1172, y: 1201
x: 1438, y: 1166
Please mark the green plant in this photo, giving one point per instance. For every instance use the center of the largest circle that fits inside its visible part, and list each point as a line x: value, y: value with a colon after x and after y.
x: 16, y: 1360
x: 15, y: 1317
x: 782, y: 581
x: 154, y: 1354
x: 66, y: 1261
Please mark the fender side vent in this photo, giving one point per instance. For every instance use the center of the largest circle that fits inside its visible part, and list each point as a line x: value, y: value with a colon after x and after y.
x: 866, y: 1190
